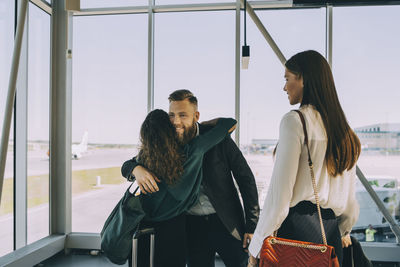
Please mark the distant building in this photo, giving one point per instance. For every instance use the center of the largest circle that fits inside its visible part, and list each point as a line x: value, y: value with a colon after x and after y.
x: 264, y: 142
x: 263, y: 146
x: 381, y: 136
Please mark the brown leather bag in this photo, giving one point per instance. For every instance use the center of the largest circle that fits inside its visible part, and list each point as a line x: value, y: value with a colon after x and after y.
x: 286, y: 252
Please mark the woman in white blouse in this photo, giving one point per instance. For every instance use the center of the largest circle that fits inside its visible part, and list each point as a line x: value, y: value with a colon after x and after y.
x: 334, y: 149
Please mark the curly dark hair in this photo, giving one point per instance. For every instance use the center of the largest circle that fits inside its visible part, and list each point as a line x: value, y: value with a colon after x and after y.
x: 160, y: 151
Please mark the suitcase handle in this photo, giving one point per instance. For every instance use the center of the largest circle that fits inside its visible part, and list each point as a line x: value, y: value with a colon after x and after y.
x: 145, y: 231
x: 139, y: 233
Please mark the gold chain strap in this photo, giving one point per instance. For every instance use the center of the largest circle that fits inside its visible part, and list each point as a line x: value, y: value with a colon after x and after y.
x: 273, y: 241
x: 317, y: 201
x: 310, y: 164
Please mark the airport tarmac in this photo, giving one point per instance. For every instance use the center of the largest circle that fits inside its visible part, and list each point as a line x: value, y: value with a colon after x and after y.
x: 90, y: 209
x: 38, y: 161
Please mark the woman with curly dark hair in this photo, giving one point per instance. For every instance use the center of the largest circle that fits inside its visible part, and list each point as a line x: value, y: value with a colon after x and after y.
x: 179, y: 169
x: 159, y: 150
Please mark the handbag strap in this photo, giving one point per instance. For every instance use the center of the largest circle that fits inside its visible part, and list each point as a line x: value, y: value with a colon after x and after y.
x: 311, y: 166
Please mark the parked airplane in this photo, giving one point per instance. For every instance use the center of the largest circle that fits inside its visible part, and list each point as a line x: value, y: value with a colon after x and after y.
x: 78, y: 150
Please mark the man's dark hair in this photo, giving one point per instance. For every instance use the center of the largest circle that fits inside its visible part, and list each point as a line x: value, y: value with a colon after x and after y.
x: 183, y: 94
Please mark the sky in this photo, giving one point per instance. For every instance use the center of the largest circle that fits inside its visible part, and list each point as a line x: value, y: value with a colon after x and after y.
x: 195, y: 50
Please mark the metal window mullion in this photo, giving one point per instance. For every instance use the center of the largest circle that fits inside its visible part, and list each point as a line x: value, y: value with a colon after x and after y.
x: 34, y: 253
x: 111, y: 11
x: 284, y: 4
x: 60, y: 120
x: 150, y: 63
x: 43, y: 5
x: 20, y: 144
x: 328, y: 34
x: 195, y: 7
x: 237, y: 72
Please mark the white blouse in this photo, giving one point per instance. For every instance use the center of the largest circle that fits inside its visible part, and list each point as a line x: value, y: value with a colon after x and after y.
x: 291, y: 179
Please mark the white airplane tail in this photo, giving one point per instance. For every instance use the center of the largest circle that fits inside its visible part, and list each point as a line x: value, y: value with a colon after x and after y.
x: 84, y: 141
x: 78, y: 150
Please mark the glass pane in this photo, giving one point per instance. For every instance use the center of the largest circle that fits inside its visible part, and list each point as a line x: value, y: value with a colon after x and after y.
x: 366, y: 65
x: 109, y: 103
x: 196, y: 51
x: 113, y: 3
x: 263, y: 101
x: 38, y: 123
x: 7, y: 201
x: 6, y: 51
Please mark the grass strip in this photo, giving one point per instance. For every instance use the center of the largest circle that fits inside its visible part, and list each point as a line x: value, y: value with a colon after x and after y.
x: 38, y: 186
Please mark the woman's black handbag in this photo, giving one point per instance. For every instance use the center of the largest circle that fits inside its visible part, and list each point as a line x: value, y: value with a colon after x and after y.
x: 121, y: 224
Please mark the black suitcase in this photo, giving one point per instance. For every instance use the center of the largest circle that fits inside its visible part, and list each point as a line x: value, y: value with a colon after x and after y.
x: 140, y: 233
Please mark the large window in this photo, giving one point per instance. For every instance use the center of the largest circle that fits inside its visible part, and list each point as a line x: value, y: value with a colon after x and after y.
x: 109, y: 103
x: 38, y: 123
x: 196, y: 51
x: 366, y: 64
x: 6, y: 50
x: 263, y: 101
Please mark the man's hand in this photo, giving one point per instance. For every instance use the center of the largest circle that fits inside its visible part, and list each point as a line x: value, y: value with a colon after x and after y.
x: 145, y: 179
x: 246, y: 240
x: 346, y: 241
x: 232, y: 129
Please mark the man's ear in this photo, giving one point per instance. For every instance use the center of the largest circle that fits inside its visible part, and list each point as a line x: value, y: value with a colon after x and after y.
x: 196, y: 116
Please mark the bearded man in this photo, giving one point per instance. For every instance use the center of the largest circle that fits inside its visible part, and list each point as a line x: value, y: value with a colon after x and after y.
x: 217, y: 222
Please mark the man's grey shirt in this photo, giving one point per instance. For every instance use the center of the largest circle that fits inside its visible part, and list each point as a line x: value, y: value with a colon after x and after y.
x: 203, y: 205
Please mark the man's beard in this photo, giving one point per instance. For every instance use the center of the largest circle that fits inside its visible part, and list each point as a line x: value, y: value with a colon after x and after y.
x: 188, y: 134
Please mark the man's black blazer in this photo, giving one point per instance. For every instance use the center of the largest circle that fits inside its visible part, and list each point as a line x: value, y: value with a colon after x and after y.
x: 221, y: 163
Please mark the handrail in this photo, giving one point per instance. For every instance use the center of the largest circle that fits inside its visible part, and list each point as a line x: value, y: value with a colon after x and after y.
x: 393, y: 225
x: 11, y: 91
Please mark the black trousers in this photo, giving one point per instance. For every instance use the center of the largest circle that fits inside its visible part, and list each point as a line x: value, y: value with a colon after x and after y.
x: 206, y: 235
x: 170, y: 243
x: 302, y: 223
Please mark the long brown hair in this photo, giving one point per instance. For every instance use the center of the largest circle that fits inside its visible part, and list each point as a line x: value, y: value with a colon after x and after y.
x: 343, y: 148
x: 159, y: 151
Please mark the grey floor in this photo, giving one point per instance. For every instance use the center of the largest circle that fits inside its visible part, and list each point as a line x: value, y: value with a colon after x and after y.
x: 83, y: 258
x: 78, y: 258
